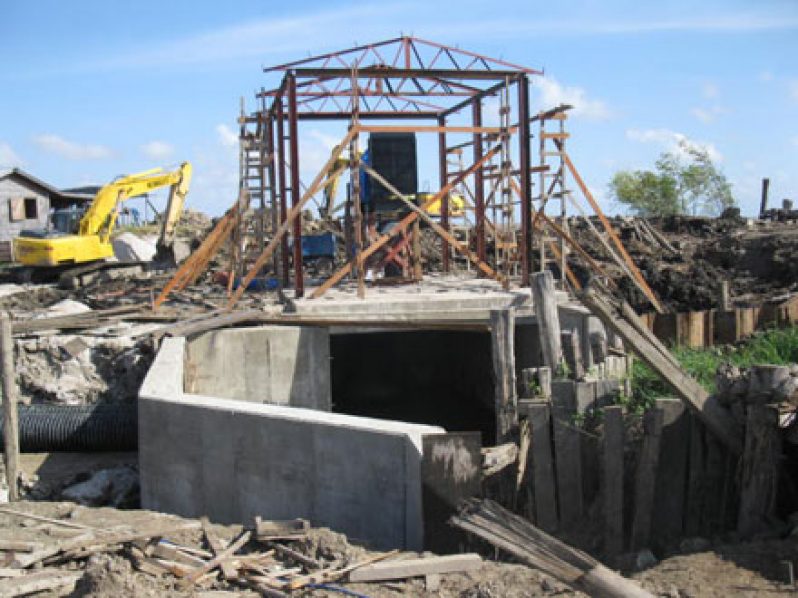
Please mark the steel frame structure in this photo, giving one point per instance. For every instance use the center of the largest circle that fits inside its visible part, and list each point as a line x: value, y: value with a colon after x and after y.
x: 404, y: 78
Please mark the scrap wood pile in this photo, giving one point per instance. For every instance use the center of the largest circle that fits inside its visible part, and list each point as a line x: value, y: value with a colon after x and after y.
x: 272, y: 558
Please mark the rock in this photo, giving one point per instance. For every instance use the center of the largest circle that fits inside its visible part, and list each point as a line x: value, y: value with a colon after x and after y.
x: 132, y: 248
x: 66, y: 307
x: 696, y: 544
x: 794, y: 369
x: 787, y: 391
x: 107, y: 487
x: 645, y: 559
x: 764, y: 379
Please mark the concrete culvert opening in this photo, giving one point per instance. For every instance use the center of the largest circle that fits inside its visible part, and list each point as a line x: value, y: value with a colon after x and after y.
x: 434, y: 377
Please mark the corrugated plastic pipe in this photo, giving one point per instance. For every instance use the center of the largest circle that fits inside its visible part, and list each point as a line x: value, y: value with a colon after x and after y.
x: 75, y: 428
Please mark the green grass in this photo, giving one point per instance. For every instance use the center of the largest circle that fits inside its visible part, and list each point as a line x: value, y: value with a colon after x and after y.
x: 778, y: 347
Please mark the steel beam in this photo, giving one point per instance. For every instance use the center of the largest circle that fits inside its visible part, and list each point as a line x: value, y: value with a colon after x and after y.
x: 524, y: 153
x: 443, y: 179
x: 293, y: 133
x: 479, y: 183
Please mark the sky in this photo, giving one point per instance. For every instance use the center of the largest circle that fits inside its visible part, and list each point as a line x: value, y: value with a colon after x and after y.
x: 94, y: 89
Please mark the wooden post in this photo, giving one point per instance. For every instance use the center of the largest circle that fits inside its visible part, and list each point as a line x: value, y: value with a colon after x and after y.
x: 10, y: 425
x: 759, y: 469
x: 725, y: 296
x: 612, y: 481
x: 542, y: 466
x: 695, y: 479
x: 502, y: 326
x: 545, y: 305
x: 645, y: 479
x: 568, y: 460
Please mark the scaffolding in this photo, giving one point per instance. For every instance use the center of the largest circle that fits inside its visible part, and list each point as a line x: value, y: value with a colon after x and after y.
x: 479, y: 109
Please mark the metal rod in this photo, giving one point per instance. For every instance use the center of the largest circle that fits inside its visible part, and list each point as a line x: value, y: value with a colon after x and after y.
x: 524, y: 152
x: 280, y: 117
x: 479, y: 189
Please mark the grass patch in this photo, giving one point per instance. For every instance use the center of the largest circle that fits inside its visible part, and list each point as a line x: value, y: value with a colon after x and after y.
x: 777, y: 347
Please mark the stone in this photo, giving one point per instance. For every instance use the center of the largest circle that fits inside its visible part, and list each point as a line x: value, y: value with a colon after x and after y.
x: 787, y: 391
x: 645, y: 559
x: 132, y: 248
x: 107, y: 487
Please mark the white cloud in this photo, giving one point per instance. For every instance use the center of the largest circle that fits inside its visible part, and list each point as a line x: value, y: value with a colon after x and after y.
x: 71, y: 150
x: 708, y: 115
x: 8, y: 157
x: 552, y: 93
x: 673, y: 141
x: 227, y: 137
x: 710, y: 91
x: 157, y: 150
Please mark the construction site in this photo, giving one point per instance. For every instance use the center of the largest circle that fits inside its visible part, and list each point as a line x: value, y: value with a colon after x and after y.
x: 350, y: 384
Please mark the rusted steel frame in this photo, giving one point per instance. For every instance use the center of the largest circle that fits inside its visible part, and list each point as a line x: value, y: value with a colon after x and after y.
x: 292, y: 216
x: 404, y: 223
x: 421, y: 213
x: 272, y: 175
x: 524, y: 153
x: 504, y: 63
x: 293, y: 134
x: 329, y: 55
x: 398, y: 115
x: 442, y: 178
x: 636, y: 275
x: 280, y: 118
x: 479, y: 95
x: 427, y: 129
x: 393, y: 254
x: 479, y: 183
x: 418, y: 73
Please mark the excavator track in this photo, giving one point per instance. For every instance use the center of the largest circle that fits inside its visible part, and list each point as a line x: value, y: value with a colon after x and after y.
x: 75, y: 278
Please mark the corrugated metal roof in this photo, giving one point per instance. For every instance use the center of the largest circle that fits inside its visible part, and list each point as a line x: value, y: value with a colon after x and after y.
x: 63, y: 194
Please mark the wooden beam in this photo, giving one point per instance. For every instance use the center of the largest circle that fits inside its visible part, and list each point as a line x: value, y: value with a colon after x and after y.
x: 637, y: 277
x: 639, y: 339
x: 402, y: 224
x: 10, y: 421
x: 295, y: 211
x: 645, y: 479
x: 545, y: 306
x: 612, y: 480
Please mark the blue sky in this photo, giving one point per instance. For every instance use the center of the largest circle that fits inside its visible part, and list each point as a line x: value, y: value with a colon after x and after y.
x: 94, y: 89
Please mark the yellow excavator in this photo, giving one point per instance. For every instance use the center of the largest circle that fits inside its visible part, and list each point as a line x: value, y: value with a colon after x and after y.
x: 71, y: 250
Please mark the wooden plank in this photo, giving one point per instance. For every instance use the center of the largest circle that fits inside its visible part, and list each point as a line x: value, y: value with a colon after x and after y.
x: 502, y: 326
x: 280, y: 529
x: 10, y: 416
x: 327, y: 576
x: 542, y: 477
x: 714, y: 473
x: 195, y: 574
x: 695, y: 478
x: 637, y: 277
x: 405, y: 568
x: 39, y: 582
x: 645, y: 478
x: 548, y: 319
x: 19, y: 546
x: 636, y: 337
x: 568, y: 460
x: 671, y: 482
x: 759, y: 471
x: 612, y: 480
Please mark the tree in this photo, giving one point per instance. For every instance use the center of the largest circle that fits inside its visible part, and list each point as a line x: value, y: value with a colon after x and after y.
x: 683, y: 182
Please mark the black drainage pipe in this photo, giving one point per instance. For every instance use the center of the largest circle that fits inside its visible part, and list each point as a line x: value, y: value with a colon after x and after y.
x: 77, y: 428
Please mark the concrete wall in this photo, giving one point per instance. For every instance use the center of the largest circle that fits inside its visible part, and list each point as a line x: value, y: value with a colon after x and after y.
x: 281, y: 365
x: 232, y: 460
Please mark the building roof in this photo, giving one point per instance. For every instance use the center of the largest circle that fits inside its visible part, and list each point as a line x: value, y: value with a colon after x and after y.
x: 75, y: 195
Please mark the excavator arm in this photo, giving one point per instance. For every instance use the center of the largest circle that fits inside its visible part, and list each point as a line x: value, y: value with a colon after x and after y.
x: 101, y: 216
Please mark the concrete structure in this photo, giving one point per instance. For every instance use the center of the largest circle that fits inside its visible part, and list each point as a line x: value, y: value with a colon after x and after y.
x: 25, y: 203
x: 280, y: 365
x: 231, y: 460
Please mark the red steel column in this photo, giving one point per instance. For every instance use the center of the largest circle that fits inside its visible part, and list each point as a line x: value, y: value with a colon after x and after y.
x: 524, y: 153
x: 442, y: 168
x: 296, y: 193
x: 479, y: 185
x: 280, y: 117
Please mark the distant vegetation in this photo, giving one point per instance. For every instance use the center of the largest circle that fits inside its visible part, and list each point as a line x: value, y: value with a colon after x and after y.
x: 684, y: 182
x: 777, y: 347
